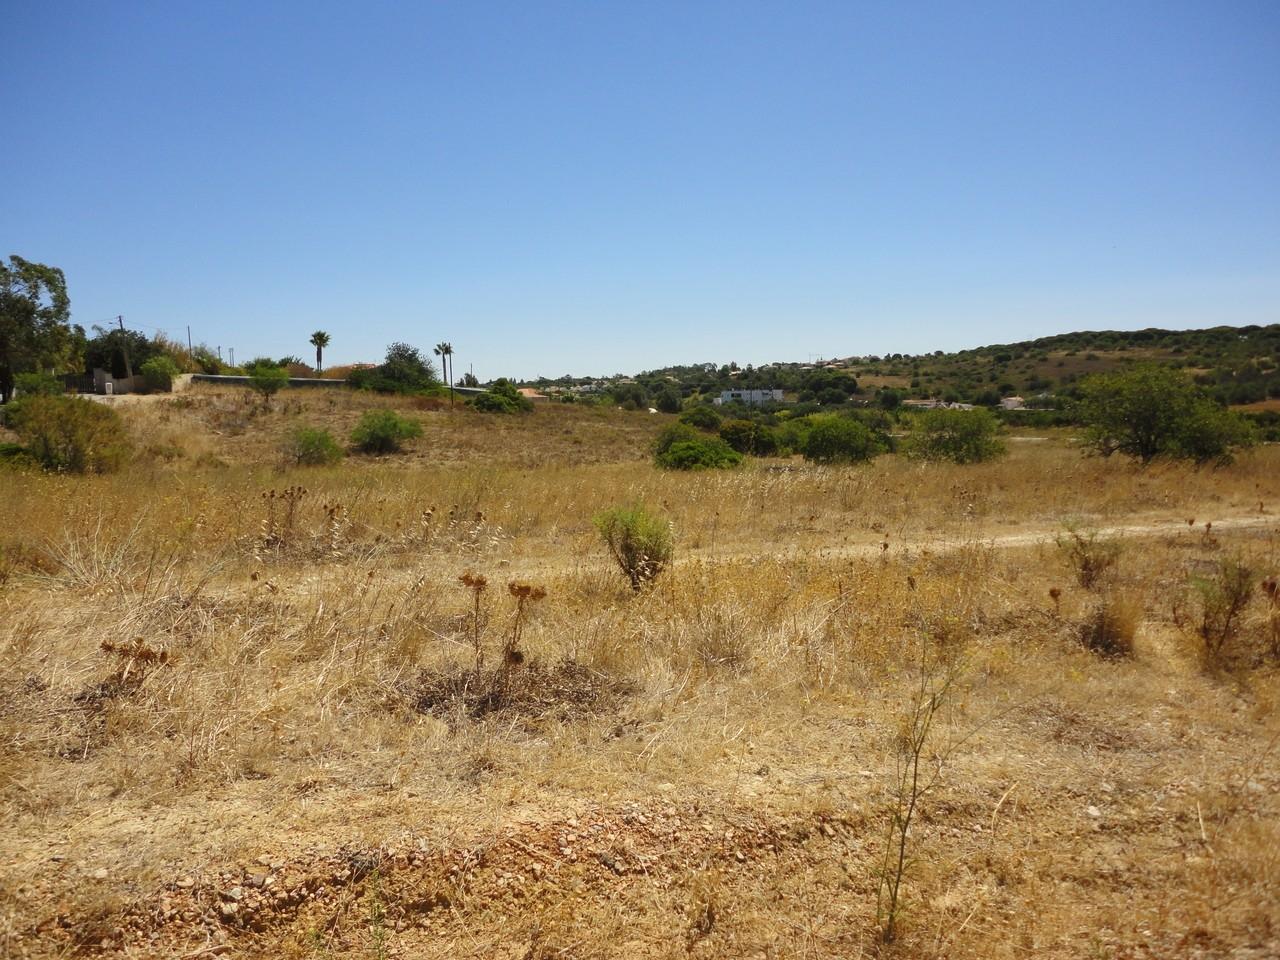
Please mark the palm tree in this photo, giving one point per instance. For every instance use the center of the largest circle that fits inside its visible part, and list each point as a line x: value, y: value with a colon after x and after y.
x: 319, y: 340
x: 444, y: 351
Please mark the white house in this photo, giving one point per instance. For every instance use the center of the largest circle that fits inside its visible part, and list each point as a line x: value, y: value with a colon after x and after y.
x: 752, y: 398
x: 935, y: 405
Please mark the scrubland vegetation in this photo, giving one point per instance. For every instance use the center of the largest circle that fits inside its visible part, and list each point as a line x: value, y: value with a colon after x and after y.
x: 514, y: 690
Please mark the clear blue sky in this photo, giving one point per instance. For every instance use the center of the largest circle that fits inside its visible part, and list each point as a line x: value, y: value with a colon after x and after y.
x: 602, y: 186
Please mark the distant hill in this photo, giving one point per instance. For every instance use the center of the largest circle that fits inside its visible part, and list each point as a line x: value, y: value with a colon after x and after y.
x: 1241, y: 365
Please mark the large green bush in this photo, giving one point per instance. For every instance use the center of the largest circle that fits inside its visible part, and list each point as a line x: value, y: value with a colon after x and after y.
x: 313, y: 447
x: 37, y: 385
x: 674, y: 433
x: 702, y: 416
x: 749, y: 436
x: 705, y: 453
x: 1150, y: 411
x: 639, y: 542
x: 384, y: 431
x: 503, y: 397
x: 667, y: 399
x: 680, y: 447
x: 832, y: 438
x: 70, y: 435
x: 158, y: 374
x: 960, y: 436
x: 404, y: 370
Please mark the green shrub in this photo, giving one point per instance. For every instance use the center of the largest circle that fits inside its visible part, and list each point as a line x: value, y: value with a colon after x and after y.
x: 704, y: 453
x: 639, y: 542
x: 680, y: 447
x: 961, y: 436
x: 267, y: 381
x: 832, y: 438
x: 37, y: 385
x: 749, y: 436
x: 384, y: 431
x: 158, y: 374
x: 630, y: 396
x: 14, y: 455
x: 313, y: 447
x: 667, y: 399
x: 70, y: 435
x: 405, y: 370
x: 206, y: 360
x: 503, y: 397
x: 674, y: 433
x: 790, y: 435
x: 702, y: 417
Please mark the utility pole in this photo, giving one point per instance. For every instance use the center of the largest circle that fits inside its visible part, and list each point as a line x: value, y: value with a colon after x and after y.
x: 233, y: 355
x: 124, y: 346
x: 189, y: 350
x: 219, y: 353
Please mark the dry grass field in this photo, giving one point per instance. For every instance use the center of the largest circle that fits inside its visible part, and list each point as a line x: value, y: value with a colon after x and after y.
x: 251, y: 710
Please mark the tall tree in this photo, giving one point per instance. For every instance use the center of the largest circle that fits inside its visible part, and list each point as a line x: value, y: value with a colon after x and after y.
x: 35, y: 331
x: 444, y: 351
x: 319, y: 340
x: 1148, y: 411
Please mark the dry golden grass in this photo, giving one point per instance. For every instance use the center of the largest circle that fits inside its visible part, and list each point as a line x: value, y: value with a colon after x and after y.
x: 229, y: 727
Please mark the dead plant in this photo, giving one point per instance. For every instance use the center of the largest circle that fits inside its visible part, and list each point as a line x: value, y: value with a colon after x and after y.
x: 1090, y: 555
x: 477, y: 585
x: 280, y: 524
x: 1223, y: 596
x: 1109, y: 626
x: 916, y: 774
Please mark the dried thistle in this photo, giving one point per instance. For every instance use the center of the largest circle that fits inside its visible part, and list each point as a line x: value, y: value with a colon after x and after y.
x: 525, y: 591
x: 476, y: 583
x: 525, y: 594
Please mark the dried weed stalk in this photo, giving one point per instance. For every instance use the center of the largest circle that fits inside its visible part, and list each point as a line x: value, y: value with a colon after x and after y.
x: 1223, y: 595
x: 917, y: 771
x: 1090, y: 555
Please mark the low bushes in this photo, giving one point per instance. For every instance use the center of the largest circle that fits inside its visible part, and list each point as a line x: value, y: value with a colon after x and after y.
x: 503, y: 397
x: 831, y: 438
x: 268, y: 381
x: 37, y: 385
x: 405, y: 370
x: 313, y: 447
x: 70, y: 435
x: 681, y: 447
x: 702, y: 417
x: 639, y: 542
x: 158, y: 374
x: 15, y: 456
x: 749, y: 436
x: 384, y: 431
x: 960, y: 436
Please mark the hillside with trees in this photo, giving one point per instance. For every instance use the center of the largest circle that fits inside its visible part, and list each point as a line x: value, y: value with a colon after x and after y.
x: 1239, y: 365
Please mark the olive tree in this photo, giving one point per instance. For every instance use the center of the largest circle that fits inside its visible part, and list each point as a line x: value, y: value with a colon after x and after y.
x: 1149, y: 411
